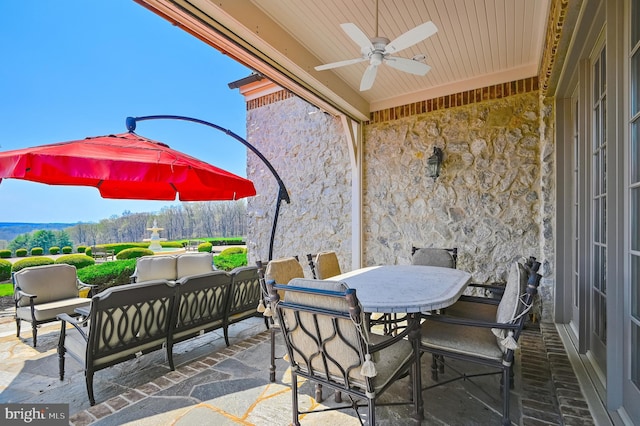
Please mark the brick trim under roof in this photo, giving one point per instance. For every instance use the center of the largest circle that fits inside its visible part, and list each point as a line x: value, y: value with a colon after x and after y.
x: 467, y: 97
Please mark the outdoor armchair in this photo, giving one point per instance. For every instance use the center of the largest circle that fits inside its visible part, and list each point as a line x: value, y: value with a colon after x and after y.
x: 281, y: 271
x: 43, y: 292
x: 327, y: 343
x: 490, y: 343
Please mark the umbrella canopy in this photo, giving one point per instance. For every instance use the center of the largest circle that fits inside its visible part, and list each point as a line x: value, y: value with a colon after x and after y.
x: 125, y: 166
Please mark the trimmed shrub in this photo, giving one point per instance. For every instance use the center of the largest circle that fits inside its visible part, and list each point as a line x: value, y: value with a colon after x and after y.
x: 67, y: 250
x: 78, y: 260
x: 31, y: 261
x: 21, y: 252
x: 134, y: 253
x: 227, y: 241
x: 54, y: 250
x: 205, y: 247
x: 81, y: 249
x: 5, y: 270
x: 231, y: 261
x: 232, y: 250
x: 37, y: 251
x: 108, y: 274
x: 88, y: 251
x: 5, y: 254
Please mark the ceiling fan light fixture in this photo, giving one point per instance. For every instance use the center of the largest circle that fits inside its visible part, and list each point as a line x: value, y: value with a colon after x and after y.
x: 378, y: 50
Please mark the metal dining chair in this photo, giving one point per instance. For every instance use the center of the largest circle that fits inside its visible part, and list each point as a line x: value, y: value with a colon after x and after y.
x: 324, y: 265
x: 327, y: 343
x: 281, y: 271
x: 491, y: 343
x: 428, y: 256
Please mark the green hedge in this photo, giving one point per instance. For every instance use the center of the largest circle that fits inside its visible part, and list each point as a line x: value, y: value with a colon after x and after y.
x: 233, y: 250
x: 231, y: 261
x: 31, y: 261
x: 37, y: 251
x: 78, y: 260
x: 134, y: 253
x: 5, y: 254
x: 67, y: 250
x: 54, y: 250
x: 21, y: 252
x: 226, y: 241
x: 108, y: 274
x: 81, y: 249
x: 5, y: 270
x: 205, y: 247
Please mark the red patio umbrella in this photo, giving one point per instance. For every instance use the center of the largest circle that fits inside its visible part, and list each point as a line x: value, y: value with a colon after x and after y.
x: 125, y: 166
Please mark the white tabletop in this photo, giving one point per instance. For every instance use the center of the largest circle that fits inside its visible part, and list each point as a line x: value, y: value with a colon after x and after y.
x: 405, y: 288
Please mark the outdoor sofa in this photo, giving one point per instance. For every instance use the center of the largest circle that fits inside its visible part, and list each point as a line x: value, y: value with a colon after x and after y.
x: 129, y: 320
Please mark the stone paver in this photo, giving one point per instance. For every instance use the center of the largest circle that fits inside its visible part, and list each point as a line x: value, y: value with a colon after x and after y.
x: 217, y: 385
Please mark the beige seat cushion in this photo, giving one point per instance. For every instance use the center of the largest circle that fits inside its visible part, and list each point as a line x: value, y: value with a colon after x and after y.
x: 48, y: 311
x: 327, y: 265
x: 193, y: 264
x: 388, y: 361
x: 150, y: 268
x: 432, y: 257
x: 283, y: 270
x: 475, y: 341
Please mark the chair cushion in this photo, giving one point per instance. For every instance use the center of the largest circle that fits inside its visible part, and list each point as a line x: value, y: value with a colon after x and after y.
x: 193, y: 264
x: 472, y: 310
x: 473, y: 341
x: 388, y: 361
x: 150, y: 268
x: 49, y: 282
x: 283, y: 270
x: 510, y: 307
x: 433, y: 257
x: 48, y: 311
x: 327, y: 265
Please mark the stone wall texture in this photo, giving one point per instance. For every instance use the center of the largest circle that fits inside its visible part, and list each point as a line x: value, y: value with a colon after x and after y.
x: 308, y: 150
x: 486, y: 201
x: 493, y: 199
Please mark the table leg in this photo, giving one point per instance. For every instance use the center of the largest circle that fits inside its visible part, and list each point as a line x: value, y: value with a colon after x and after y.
x: 413, y: 321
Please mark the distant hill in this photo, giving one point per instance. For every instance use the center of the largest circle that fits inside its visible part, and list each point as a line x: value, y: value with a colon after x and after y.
x: 10, y: 230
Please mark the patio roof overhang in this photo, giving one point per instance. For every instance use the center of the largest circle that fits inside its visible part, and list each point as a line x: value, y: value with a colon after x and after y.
x: 476, y: 45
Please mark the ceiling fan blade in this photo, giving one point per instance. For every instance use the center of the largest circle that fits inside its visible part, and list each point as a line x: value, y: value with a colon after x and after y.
x: 368, y: 77
x: 407, y: 65
x: 358, y: 37
x: 411, y: 37
x: 339, y: 64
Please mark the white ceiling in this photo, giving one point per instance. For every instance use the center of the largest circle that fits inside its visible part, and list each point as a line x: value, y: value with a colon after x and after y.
x: 478, y: 43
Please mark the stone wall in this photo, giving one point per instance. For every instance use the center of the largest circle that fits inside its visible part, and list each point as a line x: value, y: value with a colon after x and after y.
x: 493, y: 199
x: 486, y: 201
x: 308, y: 150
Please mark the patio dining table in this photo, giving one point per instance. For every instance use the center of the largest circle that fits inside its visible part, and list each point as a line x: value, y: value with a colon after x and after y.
x: 409, y: 289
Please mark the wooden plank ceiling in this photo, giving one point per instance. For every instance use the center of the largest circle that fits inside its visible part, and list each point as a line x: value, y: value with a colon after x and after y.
x: 478, y: 43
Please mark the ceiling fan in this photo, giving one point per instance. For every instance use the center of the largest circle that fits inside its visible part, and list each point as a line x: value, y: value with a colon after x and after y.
x: 378, y: 50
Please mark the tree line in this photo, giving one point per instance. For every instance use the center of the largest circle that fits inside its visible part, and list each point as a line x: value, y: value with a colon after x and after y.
x: 188, y: 220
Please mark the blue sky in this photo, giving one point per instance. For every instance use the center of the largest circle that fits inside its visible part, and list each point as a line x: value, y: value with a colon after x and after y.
x: 77, y: 68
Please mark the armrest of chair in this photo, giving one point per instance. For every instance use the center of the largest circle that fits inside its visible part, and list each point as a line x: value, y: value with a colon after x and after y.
x: 494, y: 288
x: 18, y: 294
x: 469, y: 322
x: 82, y: 285
x: 479, y: 299
x: 76, y: 322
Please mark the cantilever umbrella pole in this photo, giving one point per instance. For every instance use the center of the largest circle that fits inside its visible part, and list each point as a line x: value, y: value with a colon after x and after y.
x: 283, y: 194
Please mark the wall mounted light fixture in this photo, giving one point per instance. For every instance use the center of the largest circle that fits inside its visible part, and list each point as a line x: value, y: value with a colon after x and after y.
x: 434, y: 163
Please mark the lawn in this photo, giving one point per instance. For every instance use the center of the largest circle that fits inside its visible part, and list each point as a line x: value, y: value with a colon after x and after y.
x: 6, y: 289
